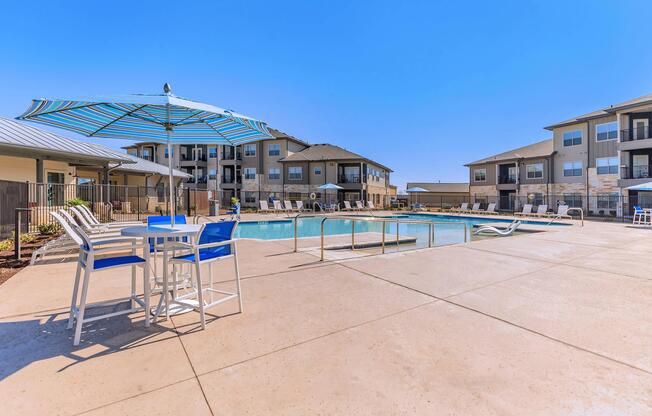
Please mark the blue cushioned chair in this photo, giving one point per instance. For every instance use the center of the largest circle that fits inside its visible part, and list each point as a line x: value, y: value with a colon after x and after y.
x: 215, y: 243
x: 87, y: 262
x: 640, y: 215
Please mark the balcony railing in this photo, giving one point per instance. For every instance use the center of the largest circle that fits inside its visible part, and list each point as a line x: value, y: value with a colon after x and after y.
x: 198, y: 179
x: 201, y: 158
x: 507, y: 179
x: 349, y: 178
x: 231, y: 155
x: 636, y: 172
x: 639, y: 133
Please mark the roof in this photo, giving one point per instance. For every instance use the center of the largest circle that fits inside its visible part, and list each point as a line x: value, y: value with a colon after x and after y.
x: 325, y: 151
x: 539, y: 149
x: 139, y: 165
x: 612, y: 109
x: 281, y: 135
x: 21, y: 139
x: 440, y: 187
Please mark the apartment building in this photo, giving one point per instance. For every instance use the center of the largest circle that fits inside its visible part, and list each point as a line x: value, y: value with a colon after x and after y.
x: 590, y: 161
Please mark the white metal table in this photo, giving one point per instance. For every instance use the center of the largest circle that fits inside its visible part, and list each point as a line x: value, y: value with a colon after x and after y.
x: 165, y: 232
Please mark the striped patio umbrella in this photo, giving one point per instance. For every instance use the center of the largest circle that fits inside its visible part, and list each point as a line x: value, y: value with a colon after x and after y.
x: 163, y: 118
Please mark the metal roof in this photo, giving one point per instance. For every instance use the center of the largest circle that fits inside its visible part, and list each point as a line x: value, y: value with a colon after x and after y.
x: 540, y: 149
x: 145, y: 166
x: 322, y: 152
x: 19, y: 138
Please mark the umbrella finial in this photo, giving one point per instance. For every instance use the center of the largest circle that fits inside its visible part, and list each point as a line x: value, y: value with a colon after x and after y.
x: 167, y: 88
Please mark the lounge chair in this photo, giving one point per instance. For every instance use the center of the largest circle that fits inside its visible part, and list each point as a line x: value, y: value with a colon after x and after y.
x: 371, y: 206
x: 264, y: 206
x: 300, y: 207
x: 417, y: 206
x: 562, y: 213
x: 503, y: 232
x: 278, y: 207
x: 288, y: 206
x: 93, y: 219
x: 463, y: 207
x: 491, y: 209
x: 474, y: 209
x: 359, y: 205
x: 527, y: 210
x: 347, y: 206
x: 542, y: 211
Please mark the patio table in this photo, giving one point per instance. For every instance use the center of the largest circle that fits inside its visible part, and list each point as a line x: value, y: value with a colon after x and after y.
x: 166, y: 232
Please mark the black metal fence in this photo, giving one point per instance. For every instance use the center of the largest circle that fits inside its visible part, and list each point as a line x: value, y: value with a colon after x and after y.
x: 251, y: 199
x: 603, y: 206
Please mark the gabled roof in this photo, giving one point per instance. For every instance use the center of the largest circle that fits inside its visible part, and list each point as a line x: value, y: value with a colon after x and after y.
x: 540, y: 149
x: 18, y: 138
x: 440, y: 187
x: 325, y: 152
x: 139, y: 165
x: 612, y: 109
x: 281, y: 135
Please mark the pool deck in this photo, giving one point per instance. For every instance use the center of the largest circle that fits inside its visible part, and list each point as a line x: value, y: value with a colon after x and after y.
x: 552, y: 323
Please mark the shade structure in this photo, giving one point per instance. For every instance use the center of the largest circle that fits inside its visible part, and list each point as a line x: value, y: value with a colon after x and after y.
x: 328, y: 186
x: 641, y: 187
x: 416, y: 190
x: 163, y: 118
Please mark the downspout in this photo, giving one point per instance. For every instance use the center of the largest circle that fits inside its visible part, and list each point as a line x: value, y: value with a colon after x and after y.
x: 588, y: 159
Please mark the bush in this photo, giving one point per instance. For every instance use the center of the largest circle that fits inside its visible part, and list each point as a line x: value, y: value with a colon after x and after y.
x: 48, y: 229
x: 6, y: 245
x: 76, y: 202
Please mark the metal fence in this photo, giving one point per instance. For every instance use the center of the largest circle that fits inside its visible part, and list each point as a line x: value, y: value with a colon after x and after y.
x: 108, y: 202
x: 604, y: 206
x: 251, y: 199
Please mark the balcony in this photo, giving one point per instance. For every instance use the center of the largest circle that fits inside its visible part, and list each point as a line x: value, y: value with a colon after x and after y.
x: 507, y: 179
x: 636, y: 172
x: 197, y: 179
x: 639, y: 133
x: 187, y: 158
x: 231, y: 155
x: 349, y: 178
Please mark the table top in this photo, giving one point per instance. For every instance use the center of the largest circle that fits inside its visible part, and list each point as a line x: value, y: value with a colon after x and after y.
x: 160, y: 230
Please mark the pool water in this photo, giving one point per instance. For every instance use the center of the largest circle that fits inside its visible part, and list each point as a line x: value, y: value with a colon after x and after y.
x: 449, y: 229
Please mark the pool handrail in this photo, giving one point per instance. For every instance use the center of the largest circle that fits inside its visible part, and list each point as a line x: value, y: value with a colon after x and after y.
x: 581, y: 211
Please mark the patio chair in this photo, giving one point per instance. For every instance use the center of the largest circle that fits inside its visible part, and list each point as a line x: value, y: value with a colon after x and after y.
x: 288, y: 206
x: 503, y: 232
x: 491, y: 209
x: 93, y: 219
x: 278, y: 207
x: 156, y: 246
x: 359, y: 205
x: 542, y: 211
x: 463, y: 207
x: 264, y: 207
x: 370, y: 206
x: 347, y: 206
x: 88, y: 263
x: 562, y: 213
x: 641, y: 216
x: 300, y: 207
x: 474, y: 209
x: 83, y: 223
x: 215, y: 243
x: 527, y: 210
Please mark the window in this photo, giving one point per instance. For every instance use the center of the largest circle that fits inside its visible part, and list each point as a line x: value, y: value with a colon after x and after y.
x: 274, y: 149
x: 480, y: 175
x: 212, y: 174
x: 212, y: 152
x: 295, y: 173
x: 573, y: 169
x: 274, y: 173
x: 317, y: 171
x: 250, y: 150
x: 535, y: 171
x: 608, y: 200
x: 250, y: 173
x: 572, y: 138
x: 607, y: 165
x: 146, y: 153
x: 573, y: 200
x: 606, y: 131
x: 250, y: 197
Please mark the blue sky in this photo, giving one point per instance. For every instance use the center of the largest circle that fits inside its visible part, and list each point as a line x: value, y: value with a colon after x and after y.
x: 422, y: 87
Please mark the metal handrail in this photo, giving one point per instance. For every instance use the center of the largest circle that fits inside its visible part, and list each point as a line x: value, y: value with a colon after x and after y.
x: 581, y: 211
x: 353, y: 219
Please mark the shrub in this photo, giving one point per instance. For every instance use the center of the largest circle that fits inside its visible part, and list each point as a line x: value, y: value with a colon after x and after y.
x: 6, y: 245
x: 76, y: 202
x: 48, y: 229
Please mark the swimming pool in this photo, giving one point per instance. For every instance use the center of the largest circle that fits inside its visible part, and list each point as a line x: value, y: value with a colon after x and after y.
x: 449, y: 229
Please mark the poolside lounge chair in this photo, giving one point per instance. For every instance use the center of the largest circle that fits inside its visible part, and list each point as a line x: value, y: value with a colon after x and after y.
x: 288, y: 206
x: 463, y: 207
x: 93, y: 219
x: 562, y: 213
x: 347, y: 206
x: 264, y: 207
x: 370, y: 206
x: 300, y: 207
x: 527, y: 210
x: 278, y: 207
x: 359, y: 205
x: 474, y: 209
x: 491, y: 209
x: 542, y: 211
x: 503, y: 232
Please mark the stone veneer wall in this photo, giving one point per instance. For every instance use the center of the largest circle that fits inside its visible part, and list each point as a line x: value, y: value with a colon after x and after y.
x: 483, y: 190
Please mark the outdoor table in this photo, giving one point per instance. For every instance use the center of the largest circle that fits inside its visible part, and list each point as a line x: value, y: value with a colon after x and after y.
x: 166, y: 232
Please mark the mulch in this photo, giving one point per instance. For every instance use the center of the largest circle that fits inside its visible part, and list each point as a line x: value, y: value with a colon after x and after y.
x: 9, y: 266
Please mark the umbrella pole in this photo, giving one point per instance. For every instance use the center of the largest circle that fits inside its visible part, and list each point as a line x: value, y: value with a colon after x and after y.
x: 168, y: 131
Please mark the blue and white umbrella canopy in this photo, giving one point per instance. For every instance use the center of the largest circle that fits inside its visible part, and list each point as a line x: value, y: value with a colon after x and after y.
x: 641, y: 187
x: 163, y: 118
x: 330, y: 186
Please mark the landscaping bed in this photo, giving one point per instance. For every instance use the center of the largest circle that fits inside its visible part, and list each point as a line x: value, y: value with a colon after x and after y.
x: 9, y: 266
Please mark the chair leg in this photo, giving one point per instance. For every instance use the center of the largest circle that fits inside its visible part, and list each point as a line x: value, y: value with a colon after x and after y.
x: 210, y: 280
x: 237, y: 278
x: 133, y: 286
x: 200, y: 295
x: 75, y: 291
x: 82, y: 307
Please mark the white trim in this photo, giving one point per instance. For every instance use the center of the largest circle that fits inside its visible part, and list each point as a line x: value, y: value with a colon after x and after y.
x: 533, y: 164
x: 572, y: 131
x: 485, y: 175
x: 602, y: 124
x: 244, y: 150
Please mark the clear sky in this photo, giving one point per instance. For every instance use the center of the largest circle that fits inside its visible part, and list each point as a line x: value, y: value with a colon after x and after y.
x: 422, y: 87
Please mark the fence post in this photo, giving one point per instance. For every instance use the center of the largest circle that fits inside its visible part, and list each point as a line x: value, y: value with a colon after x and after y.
x: 17, y: 224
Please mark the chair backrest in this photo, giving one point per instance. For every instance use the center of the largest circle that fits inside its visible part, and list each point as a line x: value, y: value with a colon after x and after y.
x: 491, y: 207
x: 65, y: 214
x: 299, y: 204
x: 637, y: 208
x: 68, y: 228
x: 542, y: 209
x: 277, y: 205
x: 81, y: 217
x: 318, y: 205
x: 476, y: 206
x: 359, y: 204
x: 562, y: 209
x: 465, y: 205
x: 527, y: 208
x: 371, y: 205
x: 263, y: 205
x: 216, y: 232
x: 288, y: 205
x: 89, y: 214
x: 163, y: 220
x: 347, y: 205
